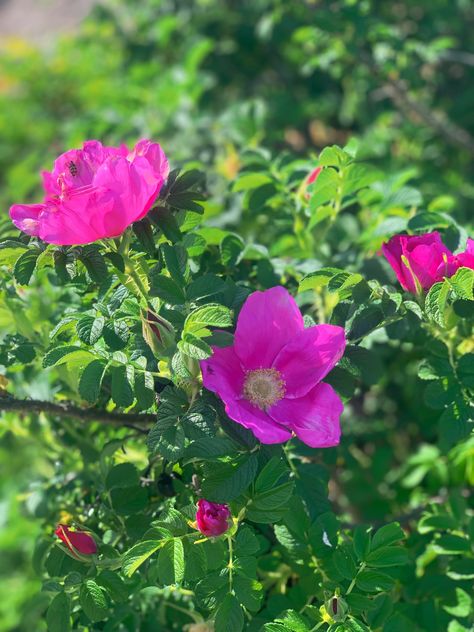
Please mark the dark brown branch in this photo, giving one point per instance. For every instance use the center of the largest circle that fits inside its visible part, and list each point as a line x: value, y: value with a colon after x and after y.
x: 27, y: 406
x: 451, y: 132
x: 398, y: 92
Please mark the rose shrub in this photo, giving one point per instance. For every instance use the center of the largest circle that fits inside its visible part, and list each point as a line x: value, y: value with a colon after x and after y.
x: 193, y: 434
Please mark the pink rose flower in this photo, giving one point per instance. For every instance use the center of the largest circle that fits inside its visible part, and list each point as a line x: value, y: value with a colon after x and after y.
x: 212, y: 519
x: 417, y: 259
x: 462, y: 260
x: 76, y: 541
x: 270, y: 379
x: 94, y: 192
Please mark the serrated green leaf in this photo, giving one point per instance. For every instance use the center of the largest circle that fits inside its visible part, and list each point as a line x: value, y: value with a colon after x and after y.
x: 92, y: 600
x: 211, y: 315
x: 226, y: 481
x: 194, y: 347
x: 388, y: 556
x: 171, y: 562
x: 25, y: 265
x: 388, y: 534
x: 66, y: 354
x: 167, y: 289
x: 374, y: 581
x: 116, y: 334
x: 122, y: 389
x: 58, y: 616
x: 90, y: 381
x: 229, y: 616
x: 89, y: 329
x: 139, y: 553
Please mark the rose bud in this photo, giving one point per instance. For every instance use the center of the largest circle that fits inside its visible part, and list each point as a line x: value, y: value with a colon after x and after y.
x: 313, y: 175
x: 311, y: 179
x: 157, y: 332
x: 212, y: 519
x: 76, y: 541
x: 337, y: 608
x: 417, y: 260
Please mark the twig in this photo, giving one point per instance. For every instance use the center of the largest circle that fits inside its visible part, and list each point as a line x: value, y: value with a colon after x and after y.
x: 405, y: 518
x: 398, y: 92
x: 450, y: 131
x: 128, y: 420
x: 458, y: 56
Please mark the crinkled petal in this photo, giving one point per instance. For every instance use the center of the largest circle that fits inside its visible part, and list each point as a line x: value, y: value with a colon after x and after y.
x: 26, y: 217
x: 267, y: 322
x: 68, y: 224
x: 222, y: 373
x: 309, y: 357
x: 266, y: 429
x: 131, y: 191
x: 314, y: 418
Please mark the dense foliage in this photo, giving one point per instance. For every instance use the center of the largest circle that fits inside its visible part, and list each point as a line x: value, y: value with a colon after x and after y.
x: 107, y: 427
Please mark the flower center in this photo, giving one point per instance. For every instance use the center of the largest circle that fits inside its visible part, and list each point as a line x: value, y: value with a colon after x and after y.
x: 264, y: 387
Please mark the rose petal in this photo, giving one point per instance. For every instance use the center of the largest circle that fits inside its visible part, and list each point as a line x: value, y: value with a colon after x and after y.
x: 309, y: 357
x: 222, y: 373
x: 26, y: 217
x: 314, y: 418
x: 266, y: 429
x: 267, y: 322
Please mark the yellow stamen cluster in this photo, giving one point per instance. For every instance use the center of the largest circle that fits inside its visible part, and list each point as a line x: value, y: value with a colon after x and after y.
x: 264, y: 387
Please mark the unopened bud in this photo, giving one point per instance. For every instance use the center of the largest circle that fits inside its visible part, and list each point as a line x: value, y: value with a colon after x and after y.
x: 158, y: 332
x: 337, y: 608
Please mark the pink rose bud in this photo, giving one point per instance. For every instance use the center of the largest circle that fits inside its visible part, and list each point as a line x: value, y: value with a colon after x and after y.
x: 94, y: 193
x: 212, y: 519
x: 313, y: 175
x: 310, y: 180
x: 419, y: 261
x: 158, y: 332
x: 76, y: 541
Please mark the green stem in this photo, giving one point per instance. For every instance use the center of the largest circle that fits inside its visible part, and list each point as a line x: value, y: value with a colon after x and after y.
x: 230, y: 565
x: 353, y: 582
x: 290, y: 462
x: 131, y: 270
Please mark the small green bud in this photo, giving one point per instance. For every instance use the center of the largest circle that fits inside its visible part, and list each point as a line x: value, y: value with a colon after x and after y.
x: 337, y: 608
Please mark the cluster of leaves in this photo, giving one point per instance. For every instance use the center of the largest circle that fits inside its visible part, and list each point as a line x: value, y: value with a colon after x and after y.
x: 120, y: 327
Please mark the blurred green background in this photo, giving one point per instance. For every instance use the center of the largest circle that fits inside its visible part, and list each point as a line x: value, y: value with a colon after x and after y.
x: 207, y: 78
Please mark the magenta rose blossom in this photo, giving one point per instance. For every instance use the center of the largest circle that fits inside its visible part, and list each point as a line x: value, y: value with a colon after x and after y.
x: 417, y: 259
x: 76, y: 541
x: 212, y: 519
x: 270, y: 379
x: 424, y: 259
x: 94, y: 192
x: 462, y: 260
